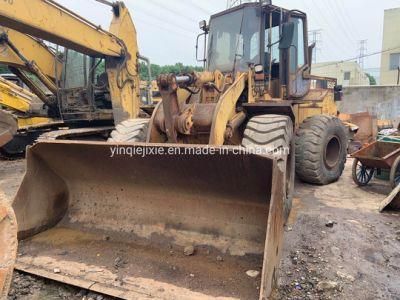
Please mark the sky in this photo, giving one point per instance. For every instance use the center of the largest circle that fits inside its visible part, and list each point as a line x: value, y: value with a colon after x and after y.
x: 167, y: 29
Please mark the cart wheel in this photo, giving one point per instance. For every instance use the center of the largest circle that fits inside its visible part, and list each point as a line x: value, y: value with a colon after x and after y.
x: 362, y: 174
x: 395, y: 173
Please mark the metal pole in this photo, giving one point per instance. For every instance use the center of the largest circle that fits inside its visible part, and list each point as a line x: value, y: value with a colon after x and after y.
x: 398, y: 75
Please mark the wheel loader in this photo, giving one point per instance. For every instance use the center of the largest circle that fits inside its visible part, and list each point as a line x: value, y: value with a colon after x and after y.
x: 184, y: 204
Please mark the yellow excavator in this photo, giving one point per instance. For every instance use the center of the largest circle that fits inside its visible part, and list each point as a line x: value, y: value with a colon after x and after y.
x: 74, y: 92
x: 36, y: 67
x: 184, y: 204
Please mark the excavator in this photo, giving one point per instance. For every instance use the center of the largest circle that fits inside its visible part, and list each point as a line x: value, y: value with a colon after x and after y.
x: 185, y: 204
x: 74, y: 93
x: 30, y: 112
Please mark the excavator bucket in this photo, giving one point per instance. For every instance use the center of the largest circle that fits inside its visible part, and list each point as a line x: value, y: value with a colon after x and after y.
x: 150, y: 221
x: 8, y: 127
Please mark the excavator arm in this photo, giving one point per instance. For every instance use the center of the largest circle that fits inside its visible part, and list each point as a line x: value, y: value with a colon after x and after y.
x: 21, y: 52
x: 46, y: 19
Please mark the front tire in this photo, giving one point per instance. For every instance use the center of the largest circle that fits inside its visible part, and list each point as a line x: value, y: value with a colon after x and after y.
x: 274, y: 133
x: 130, y: 131
x: 321, y: 149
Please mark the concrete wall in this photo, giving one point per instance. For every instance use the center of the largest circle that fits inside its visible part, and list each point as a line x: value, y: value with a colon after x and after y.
x: 391, y: 39
x: 382, y: 101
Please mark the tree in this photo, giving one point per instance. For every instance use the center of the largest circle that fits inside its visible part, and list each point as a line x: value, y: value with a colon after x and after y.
x: 4, y: 69
x: 372, y: 80
x: 156, y: 70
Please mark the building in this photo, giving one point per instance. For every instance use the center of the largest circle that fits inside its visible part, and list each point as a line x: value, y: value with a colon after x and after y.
x: 346, y: 73
x: 390, y: 62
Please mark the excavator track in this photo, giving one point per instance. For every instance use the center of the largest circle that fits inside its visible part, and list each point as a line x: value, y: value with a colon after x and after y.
x: 96, y: 133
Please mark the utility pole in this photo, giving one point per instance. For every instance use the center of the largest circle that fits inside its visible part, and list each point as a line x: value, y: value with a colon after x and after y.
x: 363, y: 52
x: 316, y: 37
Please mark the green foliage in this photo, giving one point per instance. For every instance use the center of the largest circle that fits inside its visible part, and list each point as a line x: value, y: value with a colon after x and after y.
x: 372, y: 80
x: 4, y: 69
x: 156, y: 70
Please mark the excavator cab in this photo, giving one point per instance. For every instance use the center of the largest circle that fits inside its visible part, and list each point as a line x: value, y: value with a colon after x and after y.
x: 83, y: 95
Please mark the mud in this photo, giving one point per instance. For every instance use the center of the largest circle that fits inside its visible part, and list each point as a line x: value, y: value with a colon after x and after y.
x: 337, y: 245
x: 360, y: 253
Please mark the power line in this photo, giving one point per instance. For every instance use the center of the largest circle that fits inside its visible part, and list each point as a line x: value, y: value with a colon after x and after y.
x: 162, y: 27
x: 358, y: 57
x: 337, y: 23
x: 343, y: 14
x: 168, y: 8
x: 170, y: 23
x: 337, y: 42
x: 206, y: 11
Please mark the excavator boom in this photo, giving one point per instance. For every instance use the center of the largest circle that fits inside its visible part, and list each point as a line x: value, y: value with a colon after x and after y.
x: 59, y: 25
x: 48, y: 20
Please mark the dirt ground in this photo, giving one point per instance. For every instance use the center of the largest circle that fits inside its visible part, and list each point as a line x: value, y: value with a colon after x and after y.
x: 337, y: 245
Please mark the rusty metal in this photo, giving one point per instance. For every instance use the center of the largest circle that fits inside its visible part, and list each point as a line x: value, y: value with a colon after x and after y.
x: 234, y: 124
x: 367, y: 123
x: 8, y: 247
x: 200, y: 118
x: 168, y: 88
x: 8, y: 127
x: 114, y: 207
x: 378, y: 154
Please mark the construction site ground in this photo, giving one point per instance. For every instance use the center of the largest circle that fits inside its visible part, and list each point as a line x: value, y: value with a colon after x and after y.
x: 337, y: 244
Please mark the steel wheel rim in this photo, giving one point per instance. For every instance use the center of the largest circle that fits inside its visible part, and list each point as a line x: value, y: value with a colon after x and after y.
x: 364, y: 173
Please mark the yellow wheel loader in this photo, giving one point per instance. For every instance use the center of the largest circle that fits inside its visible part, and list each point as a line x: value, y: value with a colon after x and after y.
x: 186, y: 204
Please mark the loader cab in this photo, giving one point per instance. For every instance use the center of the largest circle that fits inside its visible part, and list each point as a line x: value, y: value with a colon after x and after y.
x: 266, y: 36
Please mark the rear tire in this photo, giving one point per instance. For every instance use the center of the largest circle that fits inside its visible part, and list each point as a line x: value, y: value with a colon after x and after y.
x: 321, y: 149
x: 274, y: 133
x: 130, y: 131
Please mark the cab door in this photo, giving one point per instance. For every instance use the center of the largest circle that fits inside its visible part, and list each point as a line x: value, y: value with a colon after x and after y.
x: 298, y: 64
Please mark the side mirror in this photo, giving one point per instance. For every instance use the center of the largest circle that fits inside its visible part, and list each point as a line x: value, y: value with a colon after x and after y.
x: 287, y: 35
x: 338, y: 93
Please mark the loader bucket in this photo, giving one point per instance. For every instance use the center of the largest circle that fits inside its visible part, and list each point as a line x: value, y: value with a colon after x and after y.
x: 8, y: 246
x: 124, y: 225
x: 8, y: 127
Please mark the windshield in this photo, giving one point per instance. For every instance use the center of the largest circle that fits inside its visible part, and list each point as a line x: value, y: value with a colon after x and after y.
x: 234, y: 40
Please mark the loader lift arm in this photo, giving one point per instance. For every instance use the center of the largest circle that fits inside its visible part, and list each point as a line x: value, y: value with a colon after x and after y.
x: 118, y: 46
